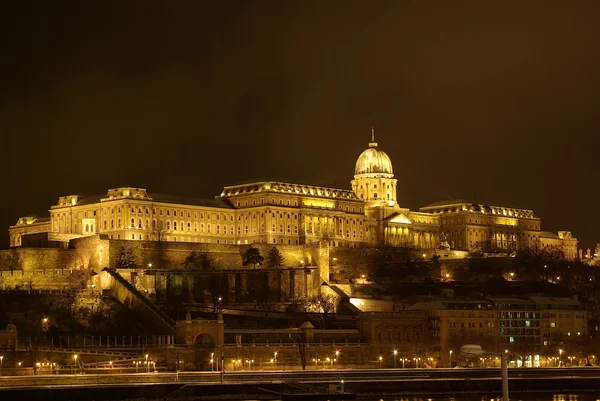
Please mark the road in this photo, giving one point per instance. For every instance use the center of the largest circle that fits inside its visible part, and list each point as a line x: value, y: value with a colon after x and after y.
x: 311, y: 377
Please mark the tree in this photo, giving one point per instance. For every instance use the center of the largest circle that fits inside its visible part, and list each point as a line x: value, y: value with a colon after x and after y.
x: 320, y: 307
x: 193, y: 261
x: 10, y: 261
x: 158, y: 235
x: 252, y: 257
x: 197, y: 260
x: 274, y: 258
x: 125, y: 258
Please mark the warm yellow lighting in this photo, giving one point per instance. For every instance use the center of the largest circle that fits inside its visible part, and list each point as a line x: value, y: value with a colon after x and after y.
x: 149, y: 264
x: 380, y: 358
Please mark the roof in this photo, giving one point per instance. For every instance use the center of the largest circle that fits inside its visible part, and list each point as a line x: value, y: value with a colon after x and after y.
x: 181, y: 200
x: 373, y: 161
x: 555, y: 301
x: 478, y: 206
x: 158, y: 197
x: 373, y: 305
x: 431, y: 305
x: 288, y: 187
x: 548, y: 234
x: 511, y: 301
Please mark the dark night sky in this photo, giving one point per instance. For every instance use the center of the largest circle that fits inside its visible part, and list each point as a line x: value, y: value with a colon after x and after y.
x: 469, y: 99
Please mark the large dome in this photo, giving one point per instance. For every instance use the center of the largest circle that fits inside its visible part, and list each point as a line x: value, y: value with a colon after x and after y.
x: 373, y: 161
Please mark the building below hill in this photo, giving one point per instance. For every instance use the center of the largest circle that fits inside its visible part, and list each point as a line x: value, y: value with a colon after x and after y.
x: 275, y: 212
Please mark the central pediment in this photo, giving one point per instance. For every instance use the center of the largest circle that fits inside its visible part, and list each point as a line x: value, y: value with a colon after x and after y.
x: 399, y: 218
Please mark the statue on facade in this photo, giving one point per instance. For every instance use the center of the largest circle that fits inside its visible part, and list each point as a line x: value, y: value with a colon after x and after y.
x: 444, y: 245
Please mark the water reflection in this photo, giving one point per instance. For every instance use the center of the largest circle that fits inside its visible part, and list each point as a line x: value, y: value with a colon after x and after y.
x: 514, y: 397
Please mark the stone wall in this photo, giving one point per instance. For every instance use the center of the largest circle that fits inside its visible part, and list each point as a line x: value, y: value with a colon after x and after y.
x: 92, y: 251
x: 32, y: 259
x: 50, y: 279
x: 221, y: 256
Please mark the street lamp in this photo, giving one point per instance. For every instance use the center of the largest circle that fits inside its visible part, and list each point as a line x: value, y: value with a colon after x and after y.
x: 380, y: 359
x: 1, y: 364
x: 275, y: 358
x: 560, y: 351
x: 450, y: 358
x: 147, y: 366
x: 149, y: 264
x: 110, y: 363
x: 212, y: 361
x: 75, y: 363
x: 395, y: 353
x: 337, y: 357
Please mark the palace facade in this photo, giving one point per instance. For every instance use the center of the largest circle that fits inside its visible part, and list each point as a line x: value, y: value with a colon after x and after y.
x: 277, y: 212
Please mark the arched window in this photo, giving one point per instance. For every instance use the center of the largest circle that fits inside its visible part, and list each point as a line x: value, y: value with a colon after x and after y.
x: 104, y: 225
x: 375, y: 195
x: 87, y: 228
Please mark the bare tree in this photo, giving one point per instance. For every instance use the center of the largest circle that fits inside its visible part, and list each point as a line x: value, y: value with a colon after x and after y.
x: 158, y: 234
x: 319, y: 308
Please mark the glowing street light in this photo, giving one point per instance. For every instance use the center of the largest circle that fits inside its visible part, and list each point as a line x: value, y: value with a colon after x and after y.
x: 395, y: 354
x: 149, y: 264
x: 1, y: 364
x: 450, y: 358
x: 337, y: 357
x: 380, y: 360
x: 560, y: 351
x: 147, y: 365
x: 75, y: 363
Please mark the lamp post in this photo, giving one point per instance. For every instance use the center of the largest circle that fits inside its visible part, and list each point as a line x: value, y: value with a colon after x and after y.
x: 450, y: 359
x: 275, y: 358
x: 559, y: 356
x: 337, y: 356
x: 477, y: 351
x: 147, y: 366
x: 380, y: 360
x: 403, y: 360
x: 1, y: 364
x: 75, y: 363
x: 395, y: 354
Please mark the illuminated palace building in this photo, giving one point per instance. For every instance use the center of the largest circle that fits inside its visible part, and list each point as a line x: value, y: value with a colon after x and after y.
x: 285, y: 213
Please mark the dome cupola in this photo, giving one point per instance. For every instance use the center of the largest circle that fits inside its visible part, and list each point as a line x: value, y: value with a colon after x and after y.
x: 374, y: 180
x: 373, y: 160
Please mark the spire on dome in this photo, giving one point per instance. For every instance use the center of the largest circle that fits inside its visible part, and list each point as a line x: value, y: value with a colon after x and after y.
x: 372, y: 144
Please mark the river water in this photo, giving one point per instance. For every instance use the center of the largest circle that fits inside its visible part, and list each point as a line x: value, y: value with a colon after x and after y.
x: 534, y: 396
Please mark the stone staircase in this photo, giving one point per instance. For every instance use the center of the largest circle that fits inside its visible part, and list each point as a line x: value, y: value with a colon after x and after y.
x: 126, y: 294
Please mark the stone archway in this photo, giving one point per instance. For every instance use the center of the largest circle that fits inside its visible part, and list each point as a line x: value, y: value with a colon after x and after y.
x: 204, y: 350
